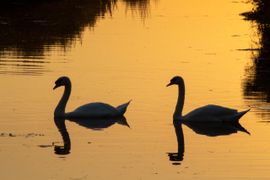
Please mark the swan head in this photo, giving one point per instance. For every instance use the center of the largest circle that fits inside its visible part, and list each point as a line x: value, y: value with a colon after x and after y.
x: 62, y: 81
x: 176, y: 80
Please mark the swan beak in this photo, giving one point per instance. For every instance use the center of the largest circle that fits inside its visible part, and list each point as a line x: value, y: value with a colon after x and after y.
x: 56, y: 86
x: 169, y: 84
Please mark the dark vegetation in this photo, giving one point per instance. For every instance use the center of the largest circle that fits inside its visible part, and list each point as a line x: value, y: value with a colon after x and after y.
x: 257, y: 83
x: 31, y: 28
x: 27, y: 27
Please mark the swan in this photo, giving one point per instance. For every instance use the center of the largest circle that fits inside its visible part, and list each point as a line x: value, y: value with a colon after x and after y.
x: 208, y: 113
x: 91, y: 110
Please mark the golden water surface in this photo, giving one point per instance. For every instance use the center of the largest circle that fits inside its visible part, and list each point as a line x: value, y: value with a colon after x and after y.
x: 118, y: 51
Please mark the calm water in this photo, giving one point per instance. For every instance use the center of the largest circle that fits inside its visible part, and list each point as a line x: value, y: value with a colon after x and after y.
x: 115, y: 51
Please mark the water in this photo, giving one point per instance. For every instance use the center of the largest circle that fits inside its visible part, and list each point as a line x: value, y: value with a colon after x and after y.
x: 115, y: 51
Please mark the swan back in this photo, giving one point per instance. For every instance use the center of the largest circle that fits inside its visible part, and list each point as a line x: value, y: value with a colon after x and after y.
x: 214, y: 113
x: 94, y: 110
x: 97, y: 110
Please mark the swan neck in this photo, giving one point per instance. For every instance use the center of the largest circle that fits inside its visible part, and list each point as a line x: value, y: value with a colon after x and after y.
x: 180, y: 101
x: 60, y: 108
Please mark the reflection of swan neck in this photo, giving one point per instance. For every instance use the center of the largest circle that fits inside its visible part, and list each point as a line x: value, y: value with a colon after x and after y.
x: 180, y: 138
x: 180, y: 100
x: 60, y: 108
x: 60, y: 124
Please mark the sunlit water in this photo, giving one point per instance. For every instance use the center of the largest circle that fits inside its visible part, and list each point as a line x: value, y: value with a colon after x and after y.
x: 118, y: 51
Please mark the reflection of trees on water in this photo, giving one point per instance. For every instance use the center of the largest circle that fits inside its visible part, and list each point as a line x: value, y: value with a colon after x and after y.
x: 257, y: 82
x: 139, y: 4
x: 142, y: 5
x: 29, y: 28
x: 260, y: 13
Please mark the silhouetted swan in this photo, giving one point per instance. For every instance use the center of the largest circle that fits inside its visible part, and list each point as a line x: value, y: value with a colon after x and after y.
x: 206, y: 113
x: 91, y: 110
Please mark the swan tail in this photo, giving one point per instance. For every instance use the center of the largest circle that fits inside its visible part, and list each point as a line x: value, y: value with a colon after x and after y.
x: 122, y: 108
x: 240, y: 114
x: 235, y: 118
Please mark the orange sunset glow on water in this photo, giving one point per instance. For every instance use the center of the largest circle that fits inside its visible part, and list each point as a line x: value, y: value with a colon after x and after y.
x: 116, y: 51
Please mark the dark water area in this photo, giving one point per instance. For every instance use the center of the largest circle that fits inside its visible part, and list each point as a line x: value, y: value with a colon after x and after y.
x: 257, y: 83
x: 260, y: 12
x: 30, y: 29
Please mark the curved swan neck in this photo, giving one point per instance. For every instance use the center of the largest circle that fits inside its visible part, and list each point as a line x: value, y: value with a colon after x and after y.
x: 180, y: 101
x: 60, y: 108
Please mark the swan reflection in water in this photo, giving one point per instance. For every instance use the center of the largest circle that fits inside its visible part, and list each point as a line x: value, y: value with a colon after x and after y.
x: 210, y: 129
x: 178, y: 156
x: 94, y: 124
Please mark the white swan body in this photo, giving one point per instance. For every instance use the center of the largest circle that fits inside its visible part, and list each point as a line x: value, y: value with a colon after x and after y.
x: 208, y: 113
x: 91, y: 110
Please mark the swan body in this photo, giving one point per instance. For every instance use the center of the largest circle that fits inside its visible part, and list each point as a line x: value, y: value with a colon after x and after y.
x: 90, y: 110
x: 208, y: 113
x: 97, y: 110
x: 214, y: 113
